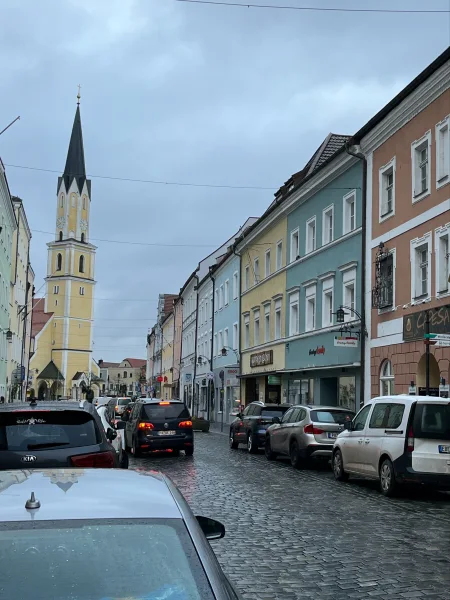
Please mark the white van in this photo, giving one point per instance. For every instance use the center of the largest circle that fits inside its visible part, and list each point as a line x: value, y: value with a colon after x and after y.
x: 397, y: 439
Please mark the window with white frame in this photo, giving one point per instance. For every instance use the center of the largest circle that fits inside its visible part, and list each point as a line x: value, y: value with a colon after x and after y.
x: 216, y: 307
x: 247, y: 330
x: 310, y: 312
x: 206, y: 309
x: 220, y: 340
x: 256, y: 336
x: 279, y: 256
x: 267, y: 322
x: 420, y: 267
x: 225, y: 337
x: 349, y: 292
x: 387, y: 190
x: 56, y: 289
x: 311, y: 235
x: 215, y: 345
x: 81, y: 291
x: 246, y: 277
x: 293, y: 313
x: 235, y: 336
x: 327, y: 302
x: 267, y: 263
x: 421, y: 167
x: 443, y: 152
x: 328, y: 225
x: 295, y: 247
x: 442, y: 260
x: 221, y: 297
x: 226, y: 292
x: 387, y: 379
x: 277, y: 332
x: 235, y: 285
x: 349, y: 220
x: 256, y: 270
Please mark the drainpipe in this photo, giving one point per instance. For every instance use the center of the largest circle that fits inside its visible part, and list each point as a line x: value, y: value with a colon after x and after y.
x: 213, y: 279
x: 239, y: 324
x: 359, y: 155
x: 195, y: 347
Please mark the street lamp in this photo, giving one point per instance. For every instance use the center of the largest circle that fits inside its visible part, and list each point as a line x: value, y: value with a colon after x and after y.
x: 224, y: 352
x: 340, y: 315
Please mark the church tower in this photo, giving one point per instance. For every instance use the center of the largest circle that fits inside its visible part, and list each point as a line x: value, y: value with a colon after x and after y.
x: 70, y: 273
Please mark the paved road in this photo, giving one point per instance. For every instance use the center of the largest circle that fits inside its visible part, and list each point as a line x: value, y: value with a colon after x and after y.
x: 299, y: 534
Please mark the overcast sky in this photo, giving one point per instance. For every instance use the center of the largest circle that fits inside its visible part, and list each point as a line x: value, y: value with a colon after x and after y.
x: 190, y: 93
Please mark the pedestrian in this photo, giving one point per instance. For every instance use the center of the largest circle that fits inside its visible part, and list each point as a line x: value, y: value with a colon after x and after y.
x: 2, y: 399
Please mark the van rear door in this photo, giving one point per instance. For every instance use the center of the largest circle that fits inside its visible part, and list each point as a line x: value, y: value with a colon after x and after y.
x: 431, y: 433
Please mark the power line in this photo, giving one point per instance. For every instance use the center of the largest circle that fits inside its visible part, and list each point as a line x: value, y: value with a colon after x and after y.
x: 152, y: 181
x: 316, y: 8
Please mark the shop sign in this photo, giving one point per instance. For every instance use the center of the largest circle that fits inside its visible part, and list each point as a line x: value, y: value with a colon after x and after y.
x: 261, y: 359
x: 444, y: 390
x: 348, y: 342
x: 316, y: 351
x: 432, y: 391
x: 231, y: 377
x: 273, y: 380
x: 414, y: 325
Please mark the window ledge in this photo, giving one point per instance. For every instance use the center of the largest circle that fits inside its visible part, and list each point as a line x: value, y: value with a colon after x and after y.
x: 386, y: 216
x: 443, y: 293
x: 421, y: 196
x: 442, y: 181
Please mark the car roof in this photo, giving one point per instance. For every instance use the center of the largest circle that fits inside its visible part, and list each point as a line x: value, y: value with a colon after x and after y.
x: 86, y: 494
x: 407, y: 399
x: 323, y: 407
x: 56, y: 405
x: 157, y: 401
x: 273, y: 405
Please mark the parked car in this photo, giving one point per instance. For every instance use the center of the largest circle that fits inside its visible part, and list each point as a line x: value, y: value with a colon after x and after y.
x: 306, y: 432
x: 50, y: 434
x: 101, y: 401
x: 159, y: 425
x: 395, y: 440
x: 250, y: 426
x: 116, y: 406
x: 128, y: 408
x: 118, y: 443
x: 114, y: 534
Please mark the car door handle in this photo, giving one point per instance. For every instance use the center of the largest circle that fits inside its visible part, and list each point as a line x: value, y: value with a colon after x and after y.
x: 360, y: 441
x: 393, y: 431
x: 367, y: 441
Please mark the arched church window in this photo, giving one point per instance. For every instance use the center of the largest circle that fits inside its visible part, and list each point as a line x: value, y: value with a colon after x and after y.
x: 60, y: 236
x: 81, y: 266
x: 59, y: 262
x: 61, y: 201
x: 84, y: 202
x: 82, y: 237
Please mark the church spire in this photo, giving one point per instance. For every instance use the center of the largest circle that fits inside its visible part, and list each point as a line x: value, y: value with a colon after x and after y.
x: 75, y: 167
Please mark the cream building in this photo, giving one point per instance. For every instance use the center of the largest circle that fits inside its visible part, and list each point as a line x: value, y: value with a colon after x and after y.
x: 126, y: 378
x: 62, y: 364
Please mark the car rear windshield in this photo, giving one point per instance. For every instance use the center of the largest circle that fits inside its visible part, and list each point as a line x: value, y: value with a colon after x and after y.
x: 331, y: 416
x: 432, y: 421
x: 80, y: 560
x: 22, y: 430
x: 274, y: 412
x: 123, y: 401
x: 166, y: 411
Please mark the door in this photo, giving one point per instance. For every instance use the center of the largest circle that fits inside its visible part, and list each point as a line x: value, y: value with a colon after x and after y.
x: 278, y: 438
x: 382, y: 432
x: 329, y: 391
x: 353, y: 440
x: 131, y: 425
x: 431, y: 437
x: 238, y: 425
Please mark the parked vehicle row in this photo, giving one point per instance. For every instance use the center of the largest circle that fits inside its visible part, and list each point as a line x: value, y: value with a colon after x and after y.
x: 392, y: 439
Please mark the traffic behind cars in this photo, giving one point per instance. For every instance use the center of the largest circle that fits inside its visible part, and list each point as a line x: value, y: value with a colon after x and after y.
x: 115, y: 432
x: 54, y: 434
x: 250, y: 426
x: 73, y: 544
x: 116, y: 406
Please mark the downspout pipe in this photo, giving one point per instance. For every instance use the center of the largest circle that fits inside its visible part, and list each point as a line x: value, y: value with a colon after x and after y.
x: 357, y: 153
x: 195, y: 347
x: 239, y: 322
x: 213, y: 279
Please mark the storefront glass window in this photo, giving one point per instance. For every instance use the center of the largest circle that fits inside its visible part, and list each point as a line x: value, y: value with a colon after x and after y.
x: 347, y: 392
x: 301, y: 391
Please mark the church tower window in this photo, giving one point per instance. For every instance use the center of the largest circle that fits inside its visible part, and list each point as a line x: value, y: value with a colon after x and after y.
x: 60, y: 236
x: 82, y: 237
x: 81, y: 268
x: 59, y: 262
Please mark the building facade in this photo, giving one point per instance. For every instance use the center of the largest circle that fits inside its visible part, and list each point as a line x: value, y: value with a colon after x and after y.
x: 8, y: 227
x: 178, y: 327
x: 204, y: 383
x: 167, y: 331
x: 226, y: 367
x: 21, y: 290
x: 408, y: 197
x: 62, y: 364
x: 126, y: 378
x: 188, y: 295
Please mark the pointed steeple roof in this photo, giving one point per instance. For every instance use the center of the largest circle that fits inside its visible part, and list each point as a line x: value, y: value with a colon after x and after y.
x: 75, y: 166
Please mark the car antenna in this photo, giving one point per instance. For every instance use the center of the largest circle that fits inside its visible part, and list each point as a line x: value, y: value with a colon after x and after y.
x: 32, y: 502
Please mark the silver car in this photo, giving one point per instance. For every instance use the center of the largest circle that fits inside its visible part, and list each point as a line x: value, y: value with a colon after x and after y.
x: 104, y: 533
x: 306, y: 432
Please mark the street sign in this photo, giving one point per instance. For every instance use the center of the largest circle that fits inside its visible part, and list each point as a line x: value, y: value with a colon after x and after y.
x: 438, y: 337
x: 442, y: 343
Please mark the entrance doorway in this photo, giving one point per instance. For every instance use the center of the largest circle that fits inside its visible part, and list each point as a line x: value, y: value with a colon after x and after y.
x: 43, y: 391
x: 435, y: 374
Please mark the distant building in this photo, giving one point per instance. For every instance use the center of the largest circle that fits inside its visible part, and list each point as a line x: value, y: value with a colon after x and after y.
x: 154, y: 360
x: 126, y: 378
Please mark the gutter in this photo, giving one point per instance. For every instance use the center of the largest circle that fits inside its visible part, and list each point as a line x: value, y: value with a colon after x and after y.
x: 359, y: 155
x: 213, y: 279
x: 195, y: 347
x: 239, y: 320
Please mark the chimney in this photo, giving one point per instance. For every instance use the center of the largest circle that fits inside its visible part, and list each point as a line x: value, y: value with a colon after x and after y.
x: 100, y: 362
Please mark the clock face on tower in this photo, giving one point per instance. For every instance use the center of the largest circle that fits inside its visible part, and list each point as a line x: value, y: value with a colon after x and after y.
x: 61, y: 221
x: 83, y: 225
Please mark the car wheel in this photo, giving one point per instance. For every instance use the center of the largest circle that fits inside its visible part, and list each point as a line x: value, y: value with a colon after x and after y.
x: 388, y: 484
x: 268, y: 450
x: 189, y: 451
x: 338, y: 467
x: 135, y: 451
x: 123, y: 460
x: 252, y: 447
x: 294, y: 454
x: 233, y: 443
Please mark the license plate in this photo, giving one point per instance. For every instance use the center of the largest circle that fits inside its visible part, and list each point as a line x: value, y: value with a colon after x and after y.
x: 444, y: 449
x: 332, y: 436
x: 166, y: 432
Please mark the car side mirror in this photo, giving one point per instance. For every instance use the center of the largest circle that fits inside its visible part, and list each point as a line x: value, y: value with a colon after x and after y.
x: 213, y: 530
x: 111, y: 434
x: 348, y: 426
x: 120, y: 425
x: 239, y: 415
x: 276, y: 420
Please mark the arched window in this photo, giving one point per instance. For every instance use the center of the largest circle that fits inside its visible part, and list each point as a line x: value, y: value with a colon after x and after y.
x: 60, y: 236
x: 386, y: 379
x: 125, y: 374
x: 81, y: 266
x: 84, y: 202
x: 82, y: 237
x: 59, y: 262
x: 61, y: 201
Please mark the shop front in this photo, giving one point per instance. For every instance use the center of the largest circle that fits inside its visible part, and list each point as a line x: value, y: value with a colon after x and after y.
x: 227, y: 394
x: 263, y: 376
x: 187, y: 389
x: 323, y: 369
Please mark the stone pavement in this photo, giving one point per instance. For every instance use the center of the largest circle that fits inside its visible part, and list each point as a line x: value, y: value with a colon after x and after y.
x: 299, y: 534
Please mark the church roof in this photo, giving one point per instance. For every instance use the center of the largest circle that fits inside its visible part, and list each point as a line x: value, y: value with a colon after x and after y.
x: 51, y: 371
x: 40, y: 318
x: 75, y: 166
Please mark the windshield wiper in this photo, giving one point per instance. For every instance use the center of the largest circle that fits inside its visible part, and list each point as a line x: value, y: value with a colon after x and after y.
x: 46, y: 445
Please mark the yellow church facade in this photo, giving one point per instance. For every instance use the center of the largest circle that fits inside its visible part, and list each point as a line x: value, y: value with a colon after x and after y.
x: 62, y: 328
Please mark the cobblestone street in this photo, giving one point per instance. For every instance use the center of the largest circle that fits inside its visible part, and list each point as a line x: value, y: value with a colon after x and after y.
x: 299, y: 534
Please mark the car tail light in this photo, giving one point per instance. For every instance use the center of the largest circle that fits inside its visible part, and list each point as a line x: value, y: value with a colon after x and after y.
x: 164, y: 403
x: 410, y: 440
x: 185, y: 424
x: 100, y: 460
x: 117, y: 408
x: 312, y: 429
x: 146, y: 426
